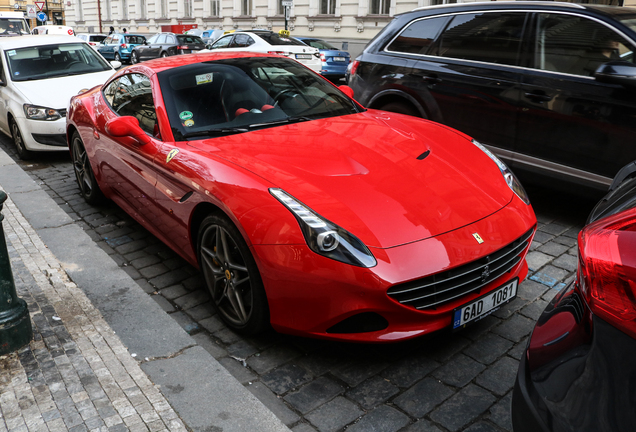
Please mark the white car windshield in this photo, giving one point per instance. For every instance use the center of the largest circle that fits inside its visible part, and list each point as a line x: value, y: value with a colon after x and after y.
x: 51, y: 61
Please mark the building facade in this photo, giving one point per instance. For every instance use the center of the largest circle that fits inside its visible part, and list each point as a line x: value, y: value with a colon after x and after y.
x: 54, y: 9
x: 353, y: 22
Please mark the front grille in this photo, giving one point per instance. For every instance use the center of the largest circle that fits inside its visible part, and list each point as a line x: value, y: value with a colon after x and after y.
x: 431, y: 291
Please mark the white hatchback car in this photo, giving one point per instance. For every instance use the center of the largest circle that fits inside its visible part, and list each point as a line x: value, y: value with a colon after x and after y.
x: 93, y: 39
x: 266, y: 41
x: 39, y: 75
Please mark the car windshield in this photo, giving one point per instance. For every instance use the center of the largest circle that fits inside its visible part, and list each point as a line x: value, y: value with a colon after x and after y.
x: 188, y: 39
x: 135, y: 39
x: 15, y: 26
x: 276, y: 39
x: 320, y: 44
x: 238, y: 95
x: 51, y: 61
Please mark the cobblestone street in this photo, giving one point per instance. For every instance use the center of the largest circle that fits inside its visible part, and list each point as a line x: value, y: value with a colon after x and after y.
x: 445, y: 382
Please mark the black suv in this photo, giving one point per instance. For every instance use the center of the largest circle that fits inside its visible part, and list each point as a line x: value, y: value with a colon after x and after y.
x: 166, y: 44
x: 549, y: 87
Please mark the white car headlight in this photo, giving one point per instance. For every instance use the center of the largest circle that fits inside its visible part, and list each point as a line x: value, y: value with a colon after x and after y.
x: 35, y: 112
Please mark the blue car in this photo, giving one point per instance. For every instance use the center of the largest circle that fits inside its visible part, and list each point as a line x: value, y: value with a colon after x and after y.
x: 334, y: 61
x: 118, y: 46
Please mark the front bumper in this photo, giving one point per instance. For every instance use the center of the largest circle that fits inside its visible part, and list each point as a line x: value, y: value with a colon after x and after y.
x: 310, y: 295
x: 41, y: 135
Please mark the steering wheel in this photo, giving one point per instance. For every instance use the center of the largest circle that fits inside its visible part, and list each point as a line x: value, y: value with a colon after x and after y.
x: 73, y: 64
x: 281, y: 93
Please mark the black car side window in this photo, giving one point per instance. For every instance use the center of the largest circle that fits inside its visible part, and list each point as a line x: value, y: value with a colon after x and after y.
x: 418, y: 36
x: 493, y: 37
x: 576, y: 45
x: 131, y: 95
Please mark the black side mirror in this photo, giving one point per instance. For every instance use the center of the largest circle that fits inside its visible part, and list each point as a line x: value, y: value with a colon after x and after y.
x: 617, y: 72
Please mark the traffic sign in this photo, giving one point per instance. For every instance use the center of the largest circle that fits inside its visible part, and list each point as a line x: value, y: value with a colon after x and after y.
x: 41, y: 16
x: 39, y: 5
x: 30, y: 11
x: 289, y: 3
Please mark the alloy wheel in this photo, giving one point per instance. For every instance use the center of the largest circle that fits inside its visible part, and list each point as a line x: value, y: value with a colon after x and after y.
x: 227, y: 275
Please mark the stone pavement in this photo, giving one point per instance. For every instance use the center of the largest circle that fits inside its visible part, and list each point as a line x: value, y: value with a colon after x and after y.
x: 76, y: 374
x: 445, y: 382
x: 98, y: 361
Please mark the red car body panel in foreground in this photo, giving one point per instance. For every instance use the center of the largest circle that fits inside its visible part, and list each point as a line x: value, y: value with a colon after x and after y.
x: 364, y: 172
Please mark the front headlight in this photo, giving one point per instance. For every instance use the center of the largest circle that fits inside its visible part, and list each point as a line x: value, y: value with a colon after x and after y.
x: 511, y: 180
x: 324, y: 237
x: 35, y: 112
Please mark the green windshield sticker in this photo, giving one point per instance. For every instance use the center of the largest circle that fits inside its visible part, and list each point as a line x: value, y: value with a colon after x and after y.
x: 185, y: 115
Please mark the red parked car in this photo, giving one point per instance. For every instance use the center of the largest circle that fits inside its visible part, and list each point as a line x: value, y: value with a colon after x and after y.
x: 302, y: 209
x: 577, y: 374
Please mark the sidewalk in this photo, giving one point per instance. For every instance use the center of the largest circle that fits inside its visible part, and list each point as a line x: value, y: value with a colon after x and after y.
x: 104, y: 356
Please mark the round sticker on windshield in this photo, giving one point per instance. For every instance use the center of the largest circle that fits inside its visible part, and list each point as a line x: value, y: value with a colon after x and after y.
x: 185, y: 115
x: 188, y: 123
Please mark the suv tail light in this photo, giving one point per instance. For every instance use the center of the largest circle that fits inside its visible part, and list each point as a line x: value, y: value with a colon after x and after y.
x: 607, y: 269
x: 354, y: 67
x: 182, y: 47
x: 123, y: 46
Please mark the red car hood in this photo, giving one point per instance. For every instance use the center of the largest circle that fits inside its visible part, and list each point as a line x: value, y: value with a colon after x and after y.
x: 370, y: 173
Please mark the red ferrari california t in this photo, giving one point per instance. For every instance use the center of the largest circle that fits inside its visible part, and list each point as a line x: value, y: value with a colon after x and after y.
x: 303, y: 210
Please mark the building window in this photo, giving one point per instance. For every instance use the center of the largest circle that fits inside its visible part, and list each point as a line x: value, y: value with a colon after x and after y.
x: 328, y: 7
x: 246, y: 7
x: 379, y: 7
x: 124, y: 9
x: 187, y: 8
x: 280, y: 9
x: 215, y: 8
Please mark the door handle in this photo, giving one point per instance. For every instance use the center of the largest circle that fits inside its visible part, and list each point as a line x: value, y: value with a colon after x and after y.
x: 538, y: 97
x: 430, y: 79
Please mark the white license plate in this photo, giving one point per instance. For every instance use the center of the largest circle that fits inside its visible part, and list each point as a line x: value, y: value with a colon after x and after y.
x: 303, y: 56
x: 485, y: 305
x: 339, y: 59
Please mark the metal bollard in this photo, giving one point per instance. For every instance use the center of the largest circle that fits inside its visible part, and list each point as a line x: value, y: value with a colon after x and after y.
x: 15, y: 322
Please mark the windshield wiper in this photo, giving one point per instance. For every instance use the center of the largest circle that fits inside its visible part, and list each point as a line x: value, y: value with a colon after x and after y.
x: 288, y: 120
x: 215, y: 132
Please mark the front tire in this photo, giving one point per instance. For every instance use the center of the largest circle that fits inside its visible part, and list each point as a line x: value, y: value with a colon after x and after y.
x: 134, y: 57
x: 23, y: 152
x: 89, y: 189
x: 231, y: 276
x: 164, y: 54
